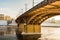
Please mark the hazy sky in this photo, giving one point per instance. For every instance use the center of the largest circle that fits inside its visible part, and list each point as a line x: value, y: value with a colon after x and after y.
x: 13, y: 7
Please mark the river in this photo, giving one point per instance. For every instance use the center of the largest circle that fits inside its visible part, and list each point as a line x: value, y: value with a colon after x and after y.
x: 50, y: 33
x: 8, y: 38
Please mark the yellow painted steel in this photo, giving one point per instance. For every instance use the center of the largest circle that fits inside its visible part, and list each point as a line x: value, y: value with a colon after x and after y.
x: 30, y: 28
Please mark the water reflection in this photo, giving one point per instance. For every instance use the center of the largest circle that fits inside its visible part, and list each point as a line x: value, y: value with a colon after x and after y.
x: 8, y: 38
x: 8, y: 33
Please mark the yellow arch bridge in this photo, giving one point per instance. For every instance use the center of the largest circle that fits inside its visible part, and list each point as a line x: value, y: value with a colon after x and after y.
x: 30, y: 21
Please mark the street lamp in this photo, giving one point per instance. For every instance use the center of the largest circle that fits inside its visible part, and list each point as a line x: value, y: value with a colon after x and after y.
x: 25, y: 7
x: 33, y: 3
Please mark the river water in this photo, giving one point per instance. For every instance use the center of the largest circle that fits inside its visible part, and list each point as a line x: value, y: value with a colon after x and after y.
x: 50, y: 33
x: 8, y: 38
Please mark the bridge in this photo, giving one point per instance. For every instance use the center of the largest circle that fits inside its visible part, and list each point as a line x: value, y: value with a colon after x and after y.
x: 30, y: 21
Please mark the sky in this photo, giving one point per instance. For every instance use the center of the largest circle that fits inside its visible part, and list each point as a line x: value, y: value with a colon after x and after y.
x: 14, y: 8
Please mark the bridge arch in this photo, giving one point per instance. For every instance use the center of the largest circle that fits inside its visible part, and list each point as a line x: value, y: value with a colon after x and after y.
x: 43, y: 14
x: 43, y: 18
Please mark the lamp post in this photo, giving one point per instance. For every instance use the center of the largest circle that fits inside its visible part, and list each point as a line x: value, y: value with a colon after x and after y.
x: 25, y: 7
x: 33, y: 3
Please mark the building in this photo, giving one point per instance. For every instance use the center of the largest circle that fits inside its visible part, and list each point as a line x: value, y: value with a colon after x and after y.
x: 7, y: 18
x: 1, y: 16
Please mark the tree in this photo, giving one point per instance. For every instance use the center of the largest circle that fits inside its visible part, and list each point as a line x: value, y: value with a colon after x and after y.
x: 9, y: 21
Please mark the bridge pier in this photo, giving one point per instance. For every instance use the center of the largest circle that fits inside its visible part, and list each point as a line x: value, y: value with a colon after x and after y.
x: 30, y: 28
x: 30, y: 31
